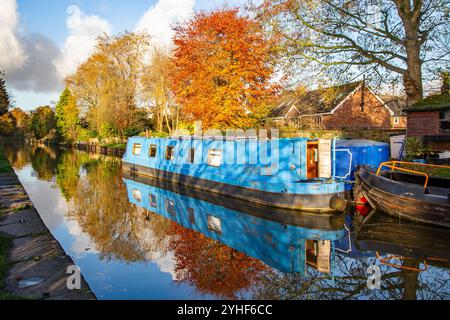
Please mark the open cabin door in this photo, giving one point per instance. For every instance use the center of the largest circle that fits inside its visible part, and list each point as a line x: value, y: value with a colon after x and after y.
x: 324, y: 256
x: 325, y: 158
x: 318, y: 255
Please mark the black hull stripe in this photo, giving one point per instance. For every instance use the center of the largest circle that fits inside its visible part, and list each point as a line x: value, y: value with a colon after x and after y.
x: 319, y: 203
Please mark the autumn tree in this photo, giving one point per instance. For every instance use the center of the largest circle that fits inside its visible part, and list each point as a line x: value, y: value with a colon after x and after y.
x: 221, y: 73
x: 42, y: 122
x: 21, y: 120
x: 403, y: 38
x: 157, y: 91
x: 106, y: 85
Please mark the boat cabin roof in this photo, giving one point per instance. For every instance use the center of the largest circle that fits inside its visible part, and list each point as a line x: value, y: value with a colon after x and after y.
x: 221, y: 138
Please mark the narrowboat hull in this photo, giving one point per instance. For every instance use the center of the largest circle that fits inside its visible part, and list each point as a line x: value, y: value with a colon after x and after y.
x: 324, y: 222
x: 312, y: 203
x: 402, y: 200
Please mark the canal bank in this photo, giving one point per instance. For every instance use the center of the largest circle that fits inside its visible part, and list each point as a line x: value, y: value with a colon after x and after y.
x: 117, y: 150
x: 33, y: 265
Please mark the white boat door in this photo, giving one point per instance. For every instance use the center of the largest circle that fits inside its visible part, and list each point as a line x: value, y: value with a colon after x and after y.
x: 325, y: 158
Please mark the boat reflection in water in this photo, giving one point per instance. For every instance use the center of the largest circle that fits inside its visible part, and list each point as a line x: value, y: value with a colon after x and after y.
x: 287, y: 241
x: 410, y: 244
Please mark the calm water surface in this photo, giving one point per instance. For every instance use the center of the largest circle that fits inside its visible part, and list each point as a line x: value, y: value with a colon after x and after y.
x: 139, y: 239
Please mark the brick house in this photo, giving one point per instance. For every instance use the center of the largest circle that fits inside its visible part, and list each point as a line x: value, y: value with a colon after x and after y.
x: 352, y: 106
x: 430, y: 119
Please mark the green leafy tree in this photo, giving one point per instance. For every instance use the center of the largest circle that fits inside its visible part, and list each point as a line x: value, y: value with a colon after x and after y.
x: 5, y: 99
x: 67, y: 116
x: 43, y: 122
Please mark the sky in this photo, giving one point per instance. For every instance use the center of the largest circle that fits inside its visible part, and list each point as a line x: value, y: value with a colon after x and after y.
x: 43, y: 41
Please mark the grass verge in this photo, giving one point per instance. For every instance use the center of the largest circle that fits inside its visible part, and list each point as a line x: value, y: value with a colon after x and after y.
x: 431, y: 171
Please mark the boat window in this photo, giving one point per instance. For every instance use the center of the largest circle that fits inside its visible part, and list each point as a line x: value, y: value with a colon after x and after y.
x: 170, y: 207
x: 152, y: 151
x: 192, y: 156
x: 214, y: 157
x: 153, y: 202
x: 137, y: 147
x: 137, y: 195
x: 170, y: 152
x: 191, y: 214
x: 214, y: 224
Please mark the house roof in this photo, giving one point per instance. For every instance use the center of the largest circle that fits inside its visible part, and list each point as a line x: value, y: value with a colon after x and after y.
x: 395, y: 103
x: 315, y: 101
x: 435, y: 102
x: 286, y: 104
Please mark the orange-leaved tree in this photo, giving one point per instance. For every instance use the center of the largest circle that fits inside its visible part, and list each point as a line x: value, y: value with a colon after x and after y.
x: 222, y: 71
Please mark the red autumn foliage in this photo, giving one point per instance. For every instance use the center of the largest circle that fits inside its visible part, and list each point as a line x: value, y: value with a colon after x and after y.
x: 222, y: 69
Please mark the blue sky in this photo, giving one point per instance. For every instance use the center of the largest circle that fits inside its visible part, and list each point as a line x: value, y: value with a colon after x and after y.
x: 39, y: 48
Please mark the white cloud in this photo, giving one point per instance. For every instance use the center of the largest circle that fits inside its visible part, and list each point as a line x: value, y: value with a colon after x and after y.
x: 12, y: 56
x: 83, y: 32
x: 27, y: 60
x: 38, y: 72
x: 158, y: 19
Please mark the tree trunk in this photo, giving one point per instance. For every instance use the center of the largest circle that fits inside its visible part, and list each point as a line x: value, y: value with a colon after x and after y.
x: 411, y: 280
x: 412, y: 79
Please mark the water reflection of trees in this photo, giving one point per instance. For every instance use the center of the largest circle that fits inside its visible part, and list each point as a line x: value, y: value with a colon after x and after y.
x: 100, y: 205
x: 350, y: 282
x: 211, y: 267
x: 18, y: 155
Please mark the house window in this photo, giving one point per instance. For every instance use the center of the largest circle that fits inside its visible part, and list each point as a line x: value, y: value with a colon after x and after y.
x: 170, y: 207
x: 444, y: 120
x: 192, y: 155
x: 318, y: 120
x: 170, y: 152
x: 137, y: 147
x: 137, y: 195
x: 153, y: 202
x: 214, y: 224
x: 214, y: 157
x: 152, y: 151
x: 396, y: 120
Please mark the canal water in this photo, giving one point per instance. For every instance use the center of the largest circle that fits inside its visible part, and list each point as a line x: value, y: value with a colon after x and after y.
x: 140, y: 239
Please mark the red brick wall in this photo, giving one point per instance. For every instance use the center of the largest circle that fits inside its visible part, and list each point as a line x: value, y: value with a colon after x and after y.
x: 423, y: 123
x: 350, y: 116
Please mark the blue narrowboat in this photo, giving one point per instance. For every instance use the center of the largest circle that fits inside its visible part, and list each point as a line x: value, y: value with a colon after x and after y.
x: 282, y: 243
x: 295, y: 174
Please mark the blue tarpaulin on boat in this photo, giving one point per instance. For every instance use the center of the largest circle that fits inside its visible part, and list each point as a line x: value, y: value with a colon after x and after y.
x: 351, y: 153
